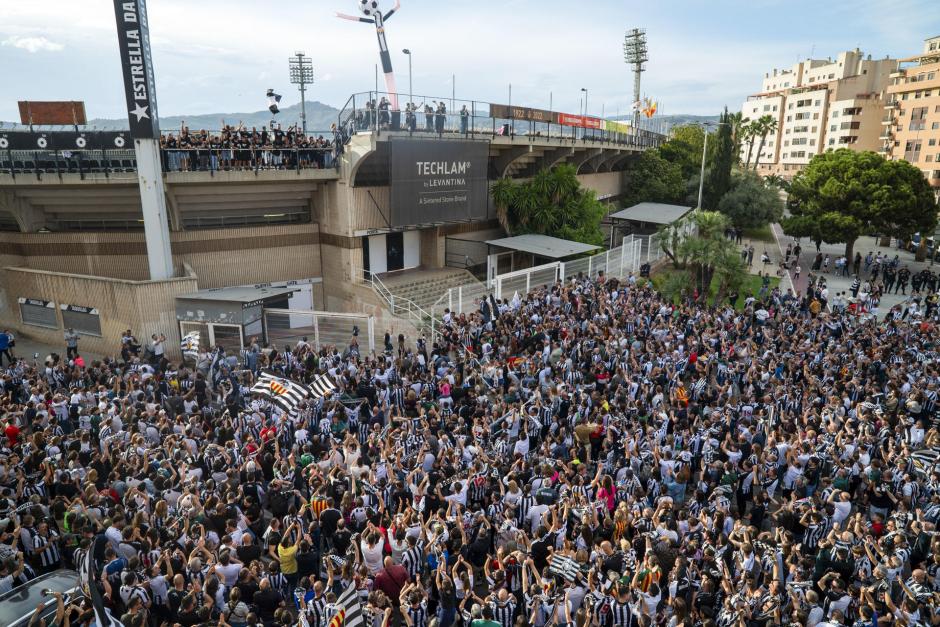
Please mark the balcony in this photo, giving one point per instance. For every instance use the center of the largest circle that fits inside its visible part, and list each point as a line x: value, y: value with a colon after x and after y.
x: 886, y: 134
x: 892, y: 105
x: 887, y: 120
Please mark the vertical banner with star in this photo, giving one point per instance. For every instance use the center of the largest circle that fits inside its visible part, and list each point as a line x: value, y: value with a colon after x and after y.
x: 139, y: 84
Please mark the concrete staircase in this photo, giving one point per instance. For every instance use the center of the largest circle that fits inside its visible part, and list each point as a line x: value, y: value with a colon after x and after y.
x: 425, y: 287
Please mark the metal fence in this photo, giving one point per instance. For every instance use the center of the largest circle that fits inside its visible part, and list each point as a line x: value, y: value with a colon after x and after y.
x: 618, y: 262
x: 320, y: 328
x: 121, y: 161
x: 470, y: 118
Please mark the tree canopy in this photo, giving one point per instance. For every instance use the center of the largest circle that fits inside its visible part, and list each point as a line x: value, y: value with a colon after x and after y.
x: 718, y: 179
x: 751, y: 202
x: 697, y: 245
x: 654, y: 179
x: 843, y: 194
x: 550, y: 203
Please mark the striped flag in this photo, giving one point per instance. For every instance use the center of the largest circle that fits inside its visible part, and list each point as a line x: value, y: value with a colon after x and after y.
x: 190, y: 344
x: 350, y: 613
x: 925, y: 460
x: 284, y: 393
x: 564, y: 567
x: 87, y: 573
x: 321, y: 386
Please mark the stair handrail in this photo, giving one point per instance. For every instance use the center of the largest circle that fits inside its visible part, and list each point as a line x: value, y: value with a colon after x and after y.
x: 415, y: 311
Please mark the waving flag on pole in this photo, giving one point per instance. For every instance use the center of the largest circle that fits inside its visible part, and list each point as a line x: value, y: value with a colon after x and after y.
x: 87, y: 574
x: 350, y: 609
x: 273, y: 101
x: 288, y: 394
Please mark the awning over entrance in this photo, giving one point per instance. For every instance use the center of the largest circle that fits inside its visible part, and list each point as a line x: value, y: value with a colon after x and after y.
x: 543, y: 246
x: 651, y: 213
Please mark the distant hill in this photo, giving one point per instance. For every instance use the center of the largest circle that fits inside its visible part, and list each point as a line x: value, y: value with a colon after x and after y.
x: 667, y: 122
x: 319, y: 118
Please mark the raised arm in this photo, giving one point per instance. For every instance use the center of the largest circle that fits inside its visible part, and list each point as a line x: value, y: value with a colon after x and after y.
x: 353, y: 18
x: 392, y: 12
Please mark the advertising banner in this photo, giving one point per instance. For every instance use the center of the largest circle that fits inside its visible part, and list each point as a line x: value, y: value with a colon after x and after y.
x: 140, y: 91
x: 65, y: 140
x: 437, y: 181
x: 521, y: 113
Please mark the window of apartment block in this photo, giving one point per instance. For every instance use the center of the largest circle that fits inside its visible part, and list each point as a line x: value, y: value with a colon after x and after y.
x: 812, y: 142
x: 904, y: 96
x: 784, y: 155
x: 85, y: 320
x: 775, y: 107
x: 38, y: 313
x: 815, y: 116
x: 832, y: 141
x: 928, y: 158
x: 814, y: 129
x: 932, y: 142
x: 766, y: 107
x: 833, y: 127
x: 833, y: 75
x: 835, y: 113
x: 818, y: 102
x: 934, y: 125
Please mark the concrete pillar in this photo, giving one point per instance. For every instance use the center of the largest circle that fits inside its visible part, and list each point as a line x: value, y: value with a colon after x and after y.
x: 153, y: 203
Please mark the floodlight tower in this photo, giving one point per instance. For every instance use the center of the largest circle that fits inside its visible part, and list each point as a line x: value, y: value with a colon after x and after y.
x: 301, y: 73
x: 636, y: 54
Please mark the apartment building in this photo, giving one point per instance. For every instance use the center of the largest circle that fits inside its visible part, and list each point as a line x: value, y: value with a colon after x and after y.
x: 912, y: 112
x: 819, y: 104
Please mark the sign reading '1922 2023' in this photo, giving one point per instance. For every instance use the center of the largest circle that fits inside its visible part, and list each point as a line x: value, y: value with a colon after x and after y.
x: 139, y: 85
x: 436, y: 181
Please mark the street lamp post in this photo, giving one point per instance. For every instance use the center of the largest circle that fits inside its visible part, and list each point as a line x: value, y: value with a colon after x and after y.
x: 701, y: 176
x: 301, y: 74
x: 584, y: 131
x: 411, y: 96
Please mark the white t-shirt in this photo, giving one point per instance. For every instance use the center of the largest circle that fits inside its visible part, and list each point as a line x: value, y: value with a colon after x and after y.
x: 842, y: 510
x: 373, y: 556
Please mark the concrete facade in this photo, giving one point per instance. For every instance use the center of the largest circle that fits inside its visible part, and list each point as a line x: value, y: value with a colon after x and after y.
x: 819, y: 104
x: 78, y: 239
x: 912, y: 113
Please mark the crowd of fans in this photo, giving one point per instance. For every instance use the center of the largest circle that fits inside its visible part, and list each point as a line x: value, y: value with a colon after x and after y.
x: 584, y: 455
x: 239, y: 148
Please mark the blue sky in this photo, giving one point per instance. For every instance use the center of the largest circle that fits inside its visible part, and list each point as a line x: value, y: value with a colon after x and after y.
x: 221, y: 55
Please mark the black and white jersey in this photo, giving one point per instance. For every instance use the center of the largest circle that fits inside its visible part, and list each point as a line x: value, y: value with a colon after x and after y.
x: 418, y: 614
x: 413, y: 558
x: 503, y: 612
x: 48, y: 549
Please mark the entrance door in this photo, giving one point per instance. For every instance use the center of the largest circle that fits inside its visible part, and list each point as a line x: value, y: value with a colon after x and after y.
x: 395, y: 251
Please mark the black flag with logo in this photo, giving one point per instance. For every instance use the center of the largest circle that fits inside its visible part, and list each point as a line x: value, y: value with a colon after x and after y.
x: 139, y: 84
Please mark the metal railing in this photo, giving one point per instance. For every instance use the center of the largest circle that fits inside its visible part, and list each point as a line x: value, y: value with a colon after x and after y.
x: 121, y: 161
x: 471, y: 119
x: 619, y: 262
x: 423, y: 320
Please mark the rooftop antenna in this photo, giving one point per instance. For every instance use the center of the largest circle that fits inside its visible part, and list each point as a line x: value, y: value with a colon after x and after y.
x: 635, y: 53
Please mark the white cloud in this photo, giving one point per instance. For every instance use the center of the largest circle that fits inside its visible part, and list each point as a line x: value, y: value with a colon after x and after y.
x: 32, y: 44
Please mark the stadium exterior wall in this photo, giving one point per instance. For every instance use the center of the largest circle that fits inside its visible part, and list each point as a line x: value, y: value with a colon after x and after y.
x: 142, y: 306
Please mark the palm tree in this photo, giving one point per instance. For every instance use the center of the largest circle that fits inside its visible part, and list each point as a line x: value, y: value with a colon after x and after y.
x: 504, y: 193
x: 748, y: 135
x: 767, y: 125
x: 737, y: 122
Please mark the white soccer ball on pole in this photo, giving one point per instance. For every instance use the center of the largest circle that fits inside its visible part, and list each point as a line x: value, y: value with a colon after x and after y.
x: 369, y: 7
